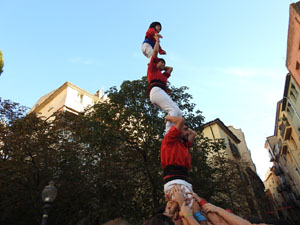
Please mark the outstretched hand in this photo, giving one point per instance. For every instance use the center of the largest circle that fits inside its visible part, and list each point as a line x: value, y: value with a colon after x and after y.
x: 157, y: 37
x: 178, y: 194
x: 195, y: 196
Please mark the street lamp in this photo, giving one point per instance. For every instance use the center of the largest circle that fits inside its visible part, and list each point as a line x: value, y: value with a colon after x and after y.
x: 48, y: 196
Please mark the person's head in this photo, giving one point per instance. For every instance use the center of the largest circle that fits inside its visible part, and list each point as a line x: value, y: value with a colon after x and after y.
x: 161, y: 64
x: 156, y: 26
x: 184, y: 132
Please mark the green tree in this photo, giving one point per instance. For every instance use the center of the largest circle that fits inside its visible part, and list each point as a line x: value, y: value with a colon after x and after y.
x: 125, y: 134
x: 105, y: 162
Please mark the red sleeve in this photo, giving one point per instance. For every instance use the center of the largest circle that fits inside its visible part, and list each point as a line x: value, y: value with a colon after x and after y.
x: 160, y: 50
x: 150, y: 33
x: 166, y: 74
x: 188, y: 144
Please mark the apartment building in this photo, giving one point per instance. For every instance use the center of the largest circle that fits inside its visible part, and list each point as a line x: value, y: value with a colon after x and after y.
x: 236, y: 150
x: 67, y: 98
x: 284, y: 145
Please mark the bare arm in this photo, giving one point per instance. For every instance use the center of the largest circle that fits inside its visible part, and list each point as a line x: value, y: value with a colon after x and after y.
x: 177, y: 120
x: 212, y: 216
x: 229, y: 217
x: 192, y: 135
x: 156, y: 47
x: 168, y: 69
x: 187, y: 213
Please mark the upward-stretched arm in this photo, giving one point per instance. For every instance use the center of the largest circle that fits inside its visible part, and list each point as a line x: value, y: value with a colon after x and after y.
x: 229, y: 217
x: 156, y: 46
x: 177, y: 120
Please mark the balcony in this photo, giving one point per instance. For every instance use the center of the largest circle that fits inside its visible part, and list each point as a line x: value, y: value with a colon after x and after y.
x: 278, y: 170
x: 282, y: 129
x: 284, y: 149
x: 283, y: 187
x: 288, y: 133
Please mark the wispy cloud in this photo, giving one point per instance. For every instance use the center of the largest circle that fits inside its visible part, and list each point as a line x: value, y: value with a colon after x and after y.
x: 81, y: 60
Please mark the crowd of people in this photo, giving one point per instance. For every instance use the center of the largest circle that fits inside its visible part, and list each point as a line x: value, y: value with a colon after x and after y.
x: 183, y: 205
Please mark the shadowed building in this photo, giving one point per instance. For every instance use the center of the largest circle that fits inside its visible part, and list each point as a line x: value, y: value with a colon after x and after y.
x: 237, y: 151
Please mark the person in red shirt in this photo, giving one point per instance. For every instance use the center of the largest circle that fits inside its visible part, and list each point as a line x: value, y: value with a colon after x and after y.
x: 149, y: 42
x: 175, y: 156
x: 157, y: 75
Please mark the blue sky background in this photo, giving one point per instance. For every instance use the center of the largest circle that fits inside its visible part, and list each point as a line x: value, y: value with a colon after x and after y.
x: 231, y: 54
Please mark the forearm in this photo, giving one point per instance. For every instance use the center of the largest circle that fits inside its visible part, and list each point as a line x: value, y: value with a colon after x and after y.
x: 192, y: 135
x: 156, y: 48
x: 177, y: 120
x: 168, y: 69
x: 216, y: 219
x: 231, y: 218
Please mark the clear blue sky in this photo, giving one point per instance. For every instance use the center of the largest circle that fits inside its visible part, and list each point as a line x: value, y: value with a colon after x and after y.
x: 231, y: 54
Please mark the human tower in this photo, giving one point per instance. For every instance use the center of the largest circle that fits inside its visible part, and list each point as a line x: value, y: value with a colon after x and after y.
x: 182, y: 203
x: 174, y: 154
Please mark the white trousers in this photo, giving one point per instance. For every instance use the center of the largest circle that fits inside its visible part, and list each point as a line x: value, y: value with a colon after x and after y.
x: 147, y: 50
x: 162, y: 100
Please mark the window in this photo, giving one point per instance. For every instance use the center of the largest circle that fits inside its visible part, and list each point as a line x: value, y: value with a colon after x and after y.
x: 50, y: 109
x: 234, y: 150
x: 80, y: 97
x: 297, y: 170
x: 293, y: 93
x: 290, y: 110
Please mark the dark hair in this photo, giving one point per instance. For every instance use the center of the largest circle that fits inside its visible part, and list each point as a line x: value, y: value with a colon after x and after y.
x: 153, y: 25
x: 161, y: 60
x: 159, y: 219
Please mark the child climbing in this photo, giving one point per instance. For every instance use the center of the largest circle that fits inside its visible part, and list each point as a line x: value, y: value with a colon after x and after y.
x: 157, y: 75
x: 149, y: 42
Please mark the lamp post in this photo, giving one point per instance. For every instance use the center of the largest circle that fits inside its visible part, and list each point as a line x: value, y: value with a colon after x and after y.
x: 48, y: 196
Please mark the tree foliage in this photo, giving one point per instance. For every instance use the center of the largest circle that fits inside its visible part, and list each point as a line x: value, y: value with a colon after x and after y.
x: 105, y: 162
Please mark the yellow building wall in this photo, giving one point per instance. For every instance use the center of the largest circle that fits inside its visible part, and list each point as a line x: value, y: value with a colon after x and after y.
x: 242, y: 146
x: 214, y: 131
x: 54, y: 105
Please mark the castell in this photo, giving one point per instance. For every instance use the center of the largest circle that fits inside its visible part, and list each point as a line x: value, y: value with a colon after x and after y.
x: 174, y: 153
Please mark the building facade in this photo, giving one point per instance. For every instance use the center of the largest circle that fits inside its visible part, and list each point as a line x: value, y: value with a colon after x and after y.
x: 67, y: 98
x: 236, y: 150
x: 284, y: 145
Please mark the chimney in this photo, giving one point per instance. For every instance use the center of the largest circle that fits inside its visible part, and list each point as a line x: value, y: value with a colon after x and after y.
x: 99, y: 93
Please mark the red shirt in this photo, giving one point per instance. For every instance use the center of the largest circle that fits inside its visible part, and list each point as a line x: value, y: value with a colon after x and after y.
x: 175, y: 152
x: 153, y: 73
x: 150, y: 35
